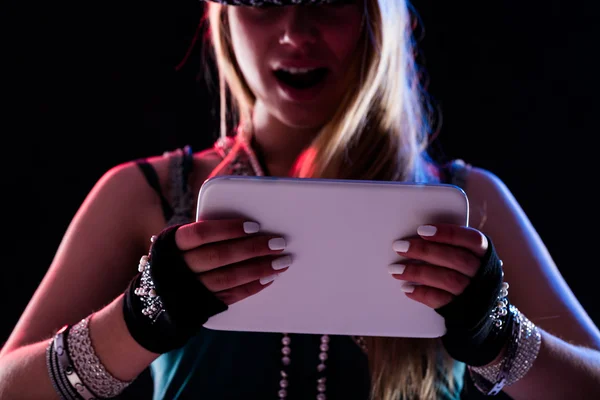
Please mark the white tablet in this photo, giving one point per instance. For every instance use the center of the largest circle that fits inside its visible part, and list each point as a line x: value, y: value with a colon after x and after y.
x: 340, y: 235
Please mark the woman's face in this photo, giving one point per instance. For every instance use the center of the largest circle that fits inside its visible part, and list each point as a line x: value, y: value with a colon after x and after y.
x: 295, y: 58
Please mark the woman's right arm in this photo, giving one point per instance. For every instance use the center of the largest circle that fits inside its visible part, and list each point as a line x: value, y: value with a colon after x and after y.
x: 24, y: 373
x: 96, y: 259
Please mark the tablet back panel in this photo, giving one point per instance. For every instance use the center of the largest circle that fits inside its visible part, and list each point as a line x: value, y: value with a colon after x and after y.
x: 340, y: 235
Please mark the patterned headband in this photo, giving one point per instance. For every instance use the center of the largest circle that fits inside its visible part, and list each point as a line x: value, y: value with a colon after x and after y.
x: 271, y: 3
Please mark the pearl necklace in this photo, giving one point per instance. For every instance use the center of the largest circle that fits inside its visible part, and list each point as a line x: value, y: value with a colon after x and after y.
x: 286, y: 360
x: 240, y: 168
x: 286, y: 351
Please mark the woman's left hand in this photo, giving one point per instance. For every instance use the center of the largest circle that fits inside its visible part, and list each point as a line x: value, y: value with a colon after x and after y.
x: 440, y: 262
x: 455, y: 270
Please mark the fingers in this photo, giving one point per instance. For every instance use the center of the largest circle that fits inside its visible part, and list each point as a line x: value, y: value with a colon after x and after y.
x: 196, y: 234
x: 456, y: 258
x: 445, y: 279
x: 231, y: 260
x: 430, y: 296
x: 440, y: 262
x: 455, y: 235
x: 242, y: 273
x: 220, y: 254
x: 238, y: 293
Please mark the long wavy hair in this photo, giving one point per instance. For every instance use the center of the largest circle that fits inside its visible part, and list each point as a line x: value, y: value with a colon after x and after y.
x: 380, y: 131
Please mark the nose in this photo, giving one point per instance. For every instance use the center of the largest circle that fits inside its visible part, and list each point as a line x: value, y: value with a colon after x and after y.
x: 298, y: 27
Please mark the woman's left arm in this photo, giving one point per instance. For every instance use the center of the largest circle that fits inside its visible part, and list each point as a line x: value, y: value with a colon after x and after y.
x: 568, y: 363
x: 457, y: 271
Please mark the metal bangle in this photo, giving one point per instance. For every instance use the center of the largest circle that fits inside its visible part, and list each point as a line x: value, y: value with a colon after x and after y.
x: 63, y: 381
x: 60, y: 377
x: 66, y: 365
x: 54, y: 373
x: 491, y: 379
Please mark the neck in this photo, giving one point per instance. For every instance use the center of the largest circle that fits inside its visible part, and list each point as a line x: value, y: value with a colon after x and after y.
x: 278, y: 144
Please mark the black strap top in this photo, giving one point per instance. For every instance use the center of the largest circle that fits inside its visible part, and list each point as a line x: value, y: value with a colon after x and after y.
x: 178, y: 208
x: 245, y: 365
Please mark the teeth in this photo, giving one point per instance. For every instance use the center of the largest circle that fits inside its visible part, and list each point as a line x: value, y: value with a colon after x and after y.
x: 298, y: 70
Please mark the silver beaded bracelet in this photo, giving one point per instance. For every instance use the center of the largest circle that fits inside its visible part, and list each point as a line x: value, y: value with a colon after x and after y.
x: 89, y: 367
x: 522, y: 350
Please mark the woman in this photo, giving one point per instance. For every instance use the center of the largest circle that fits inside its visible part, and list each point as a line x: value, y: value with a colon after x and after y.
x: 320, y: 90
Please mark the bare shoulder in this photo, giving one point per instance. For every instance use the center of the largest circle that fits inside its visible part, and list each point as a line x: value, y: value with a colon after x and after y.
x: 528, y: 265
x: 487, y: 194
x: 102, y: 244
x: 483, y: 180
x: 124, y: 193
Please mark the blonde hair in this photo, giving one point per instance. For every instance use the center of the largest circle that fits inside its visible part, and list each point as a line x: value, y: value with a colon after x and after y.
x: 379, y: 132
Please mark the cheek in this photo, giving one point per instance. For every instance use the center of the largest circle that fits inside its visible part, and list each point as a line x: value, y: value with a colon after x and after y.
x: 248, y: 47
x: 343, y: 40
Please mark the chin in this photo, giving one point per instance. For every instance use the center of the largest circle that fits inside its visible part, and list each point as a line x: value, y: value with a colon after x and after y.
x: 302, y: 116
x: 298, y: 122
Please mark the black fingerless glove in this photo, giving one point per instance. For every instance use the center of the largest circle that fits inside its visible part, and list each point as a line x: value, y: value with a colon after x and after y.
x: 471, y: 334
x: 187, y: 303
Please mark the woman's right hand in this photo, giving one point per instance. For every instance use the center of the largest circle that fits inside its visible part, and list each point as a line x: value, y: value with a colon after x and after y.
x: 230, y: 257
x: 195, y: 271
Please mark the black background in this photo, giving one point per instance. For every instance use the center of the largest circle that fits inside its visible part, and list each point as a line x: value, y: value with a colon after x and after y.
x: 87, y: 85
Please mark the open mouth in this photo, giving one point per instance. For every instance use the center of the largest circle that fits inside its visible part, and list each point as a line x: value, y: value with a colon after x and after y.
x: 301, y: 78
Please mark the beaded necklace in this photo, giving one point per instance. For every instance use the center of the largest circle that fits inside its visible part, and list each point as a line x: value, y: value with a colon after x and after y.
x: 240, y: 159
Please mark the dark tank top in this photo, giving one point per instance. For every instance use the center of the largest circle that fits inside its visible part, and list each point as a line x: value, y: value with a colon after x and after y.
x: 219, y: 365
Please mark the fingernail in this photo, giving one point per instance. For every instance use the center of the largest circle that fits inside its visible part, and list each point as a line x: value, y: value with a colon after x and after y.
x: 407, y: 288
x: 277, y: 244
x: 396, y: 269
x: 251, y: 227
x: 426, y: 230
x: 281, y: 262
x: 268, y: 279
x: 401, y: 246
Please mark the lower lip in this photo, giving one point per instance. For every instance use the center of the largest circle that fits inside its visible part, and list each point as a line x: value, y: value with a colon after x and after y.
x: 302, y: 95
